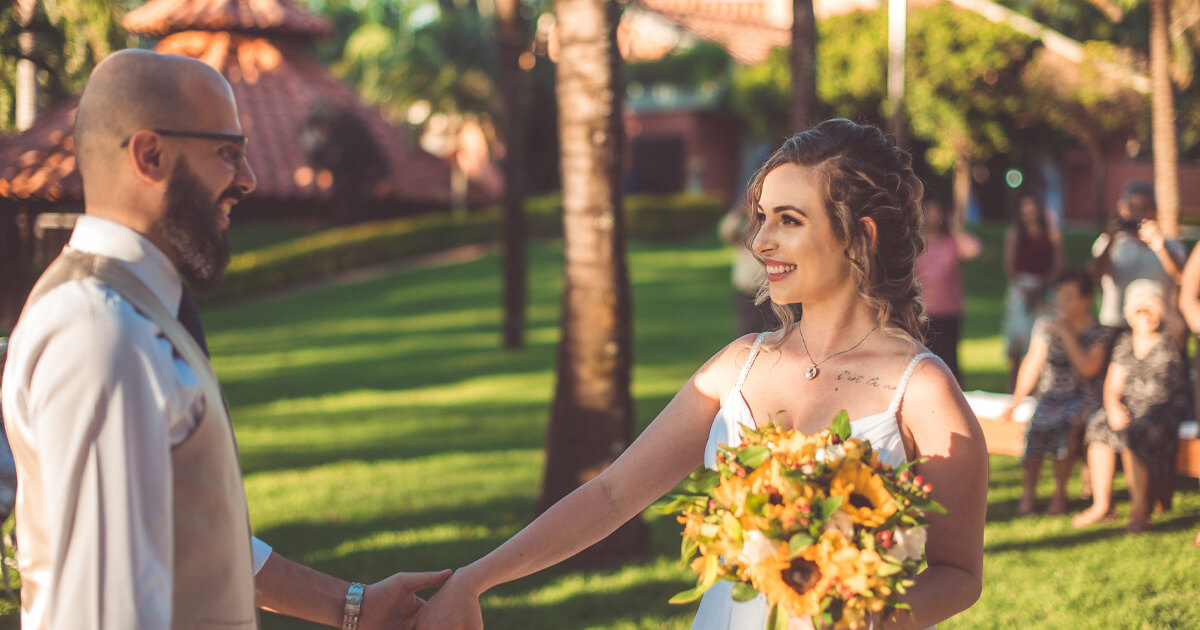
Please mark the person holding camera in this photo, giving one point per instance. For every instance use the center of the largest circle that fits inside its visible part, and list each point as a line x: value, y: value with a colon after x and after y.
x: 1134, y: 248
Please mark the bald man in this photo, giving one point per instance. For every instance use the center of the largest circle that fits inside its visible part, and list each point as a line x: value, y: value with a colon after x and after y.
x: 130, y: 508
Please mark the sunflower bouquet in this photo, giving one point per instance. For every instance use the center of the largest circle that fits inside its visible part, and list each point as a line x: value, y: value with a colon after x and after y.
x: 813, y: 522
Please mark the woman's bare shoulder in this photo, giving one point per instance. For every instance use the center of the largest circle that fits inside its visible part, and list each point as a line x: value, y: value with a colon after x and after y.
x: 720, y: 372
x: 935, y: 409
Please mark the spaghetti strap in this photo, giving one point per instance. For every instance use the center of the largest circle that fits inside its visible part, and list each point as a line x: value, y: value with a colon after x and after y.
x: 750, y: 360
x: 903, y: 384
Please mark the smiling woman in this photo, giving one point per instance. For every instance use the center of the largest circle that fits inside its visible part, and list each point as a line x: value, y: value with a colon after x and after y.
x: 838, y: 226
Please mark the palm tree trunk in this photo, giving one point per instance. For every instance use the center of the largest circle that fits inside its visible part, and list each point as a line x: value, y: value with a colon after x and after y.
x: 962, y: 183
x: 804, y: 66
x: 26, y: 84
x: 1166, y: 151
x: 511, y: 42
x: 1099, y: 179
x: 592, y: 417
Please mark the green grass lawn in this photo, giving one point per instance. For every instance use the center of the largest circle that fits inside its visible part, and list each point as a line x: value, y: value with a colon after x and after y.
x: 382, y: 429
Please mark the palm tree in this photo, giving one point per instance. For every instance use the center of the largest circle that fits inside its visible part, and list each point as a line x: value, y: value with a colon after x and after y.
x: 26, y: 84
x: 1162, y: 118
x: 511, y: 42
x: 1162, y: 104
x: 591, y: 420
x: 804, y: 66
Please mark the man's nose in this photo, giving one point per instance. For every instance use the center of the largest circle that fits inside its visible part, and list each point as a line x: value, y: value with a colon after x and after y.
x: 244, y: 180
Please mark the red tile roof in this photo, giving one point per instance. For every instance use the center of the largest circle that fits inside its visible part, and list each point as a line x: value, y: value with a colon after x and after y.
x: 159, y: 18
x: 276, y: 86
x: 748, y: 29
x: 40, y: 163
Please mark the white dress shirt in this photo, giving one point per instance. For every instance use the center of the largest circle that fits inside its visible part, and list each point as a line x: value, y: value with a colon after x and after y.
x: 99, y: 392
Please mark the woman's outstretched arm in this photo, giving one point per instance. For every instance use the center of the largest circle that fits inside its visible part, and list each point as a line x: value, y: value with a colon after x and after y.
x: 670, y: 448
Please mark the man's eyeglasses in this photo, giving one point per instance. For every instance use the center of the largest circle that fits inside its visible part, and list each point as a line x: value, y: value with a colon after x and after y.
x: 235, y: 158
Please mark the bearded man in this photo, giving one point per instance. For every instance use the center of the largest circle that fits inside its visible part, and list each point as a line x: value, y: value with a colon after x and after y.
x: 130, y: 508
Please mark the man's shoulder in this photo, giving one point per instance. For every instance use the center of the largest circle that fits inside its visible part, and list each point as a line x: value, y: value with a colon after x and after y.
x: 86, y: 312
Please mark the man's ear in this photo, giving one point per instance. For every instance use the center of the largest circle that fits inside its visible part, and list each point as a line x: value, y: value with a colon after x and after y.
x: 871, y: 228
x: 146, y: 155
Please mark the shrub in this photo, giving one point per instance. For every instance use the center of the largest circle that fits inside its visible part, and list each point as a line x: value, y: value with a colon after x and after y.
x: 324, y: 254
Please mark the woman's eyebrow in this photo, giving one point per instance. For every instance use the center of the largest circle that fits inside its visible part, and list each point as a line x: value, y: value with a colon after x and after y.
x: 783, y: 208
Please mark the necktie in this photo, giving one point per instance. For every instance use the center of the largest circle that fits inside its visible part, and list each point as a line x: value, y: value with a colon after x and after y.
x: 189, y: 316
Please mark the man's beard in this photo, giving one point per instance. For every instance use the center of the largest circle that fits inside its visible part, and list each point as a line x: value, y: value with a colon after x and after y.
x: 191, y: 228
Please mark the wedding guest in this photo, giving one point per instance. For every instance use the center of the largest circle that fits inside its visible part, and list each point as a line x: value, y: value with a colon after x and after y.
x: 1145, y: 397
x: 1033, y: 255
x: 1065, y: 367
x: 1189, y: 308
x: 130, y: 502
x: 947, y: 244
x: 750, y: 314
x: 1132, y: 248
x: 836, y: 217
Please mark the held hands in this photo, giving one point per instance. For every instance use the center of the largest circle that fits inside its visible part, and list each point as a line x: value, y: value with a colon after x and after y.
x: 454, y: 607
x: 393, y: 602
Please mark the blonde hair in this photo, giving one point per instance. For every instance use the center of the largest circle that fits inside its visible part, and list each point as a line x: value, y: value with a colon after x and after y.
x: 864, y: 175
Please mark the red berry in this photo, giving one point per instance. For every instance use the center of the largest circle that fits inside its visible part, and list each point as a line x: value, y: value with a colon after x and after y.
x: 927, y: 488
x: 904, y: 475
x: 918, y: 480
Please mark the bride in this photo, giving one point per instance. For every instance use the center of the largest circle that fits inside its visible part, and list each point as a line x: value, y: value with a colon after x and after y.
x: 836, y: 219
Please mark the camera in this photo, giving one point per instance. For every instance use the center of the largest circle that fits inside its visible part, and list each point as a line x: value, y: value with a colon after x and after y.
x: 1129, y: 225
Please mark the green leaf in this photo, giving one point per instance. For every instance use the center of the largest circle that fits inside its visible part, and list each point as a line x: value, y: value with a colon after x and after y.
x: 830, y: 505
x: 744, y: 592
x: 888, y: 568
x: 687, y: 549
x: 701, y: 481
x: 733, y: 526
x: 798, y: 543
x: 675, y: 503
x: 690, y: 595
x: 841, y: 425
x: 778, y: 619
x: 755, y: 503
x: 929, y: 505
x: 754, y: 456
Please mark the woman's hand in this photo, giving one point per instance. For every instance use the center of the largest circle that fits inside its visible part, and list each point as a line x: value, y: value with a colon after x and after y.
x: 454, y: 607
x: 1118, y: 418
x: 1150, y: 234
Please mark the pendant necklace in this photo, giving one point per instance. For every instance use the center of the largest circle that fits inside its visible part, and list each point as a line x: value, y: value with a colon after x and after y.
x: 812, y: 370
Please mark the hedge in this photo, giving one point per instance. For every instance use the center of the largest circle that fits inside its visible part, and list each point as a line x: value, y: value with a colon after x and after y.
x: 330, y: 252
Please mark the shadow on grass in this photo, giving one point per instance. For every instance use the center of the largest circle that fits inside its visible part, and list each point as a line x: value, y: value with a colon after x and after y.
x: 1095, y: 533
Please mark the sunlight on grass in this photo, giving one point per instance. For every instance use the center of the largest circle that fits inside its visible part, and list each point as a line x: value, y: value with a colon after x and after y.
x: 381, y: 428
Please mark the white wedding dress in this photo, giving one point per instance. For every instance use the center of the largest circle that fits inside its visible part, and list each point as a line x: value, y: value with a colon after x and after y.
x: 718, y: 610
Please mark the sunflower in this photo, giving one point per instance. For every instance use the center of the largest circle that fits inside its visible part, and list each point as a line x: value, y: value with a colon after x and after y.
x: 783, y: 498
x: 867, y: 500
x: 732, y: 492
x: 840, y: 558
x: 795, y: 584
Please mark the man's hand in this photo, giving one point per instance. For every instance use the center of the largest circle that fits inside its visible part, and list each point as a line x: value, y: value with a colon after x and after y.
x: 393, y: 602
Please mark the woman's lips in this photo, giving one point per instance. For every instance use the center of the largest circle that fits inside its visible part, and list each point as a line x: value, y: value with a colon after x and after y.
x: 777, y: 270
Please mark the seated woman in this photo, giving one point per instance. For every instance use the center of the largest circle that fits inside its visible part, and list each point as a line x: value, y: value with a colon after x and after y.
x: 1145, y: 397
x: 1065, y: 364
